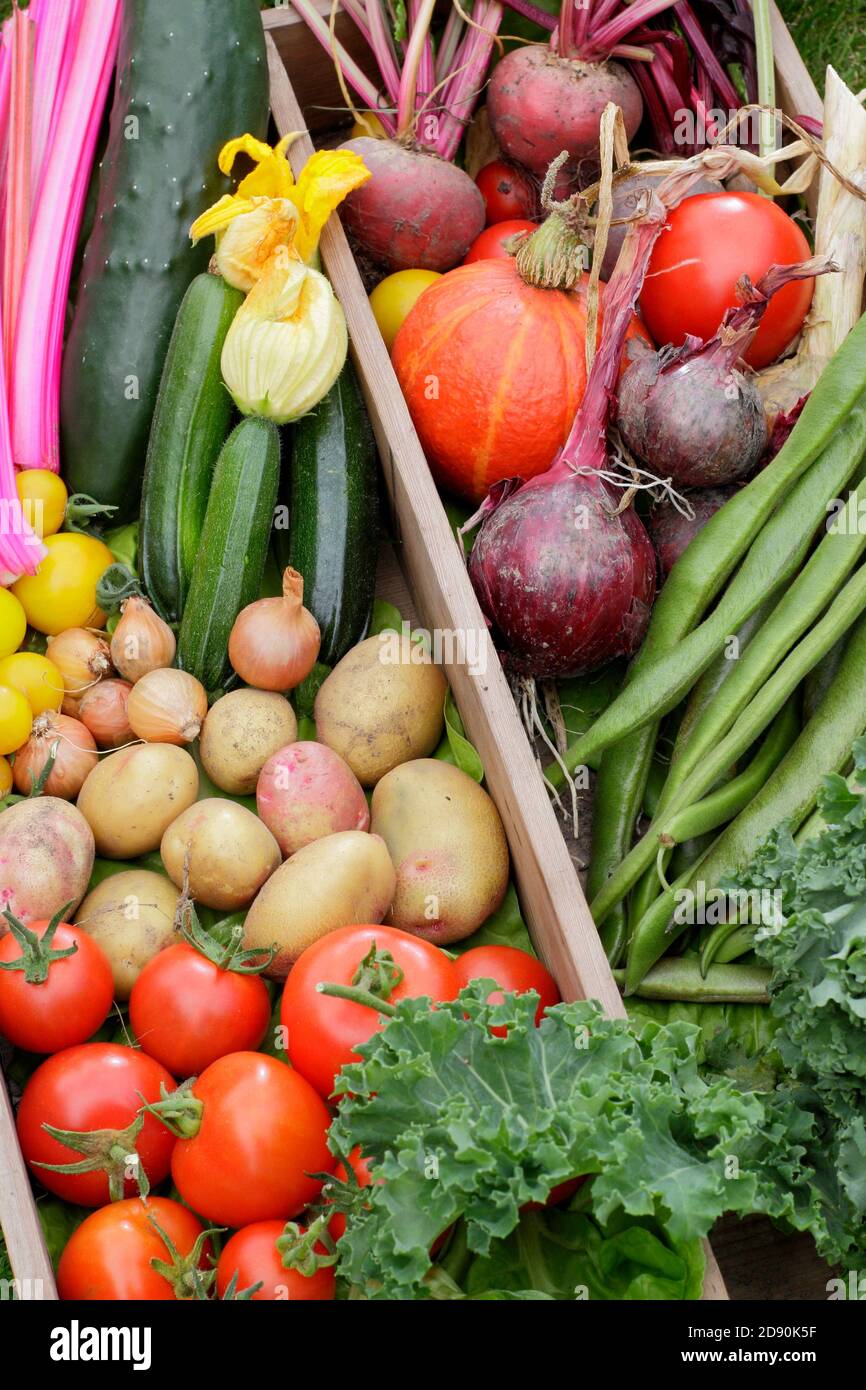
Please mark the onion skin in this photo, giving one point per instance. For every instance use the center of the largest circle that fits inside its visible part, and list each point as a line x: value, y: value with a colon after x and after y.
x: 672, y: 532
x: 141, y: 642
x: 540, y: 104
x: 103, y: 710
x: 82, y: 658
x: 563, y: 597
x: 167, y: 706
x: 76, y: 756
x: 697, y: 421
x: 417, y: 212
x: 275, y: 642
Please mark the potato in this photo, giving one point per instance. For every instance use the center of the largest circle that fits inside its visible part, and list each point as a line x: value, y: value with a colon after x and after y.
x: 242, y: 730
x: 335, y: 881
x: 131, y: 915
x: 448, y: 846
x: 133, y: 796
x: 46, y: 858
x: 306, y: 791
x: 380, y: 706
x: 230, y: 853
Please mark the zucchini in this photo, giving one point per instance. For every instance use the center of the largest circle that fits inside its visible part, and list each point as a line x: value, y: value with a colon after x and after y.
x: 233, y: 549
x: 190, y: 423
x: 189, y: 77
x: 333, y: 509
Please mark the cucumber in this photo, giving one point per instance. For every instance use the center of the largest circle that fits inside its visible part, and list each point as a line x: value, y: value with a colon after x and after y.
x: 233, y: 549
x: 333, y: 507
x: 190, y: 76
x: 190, y: 423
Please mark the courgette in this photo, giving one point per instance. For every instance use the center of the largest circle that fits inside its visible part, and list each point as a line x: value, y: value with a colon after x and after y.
x: 190, y: 76
x: 333, y: 506
x: 190, y: 424
x: 233, y: 549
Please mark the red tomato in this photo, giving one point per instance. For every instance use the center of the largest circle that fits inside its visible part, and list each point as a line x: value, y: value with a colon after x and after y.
x: 95, y: 1086
x: 65, y: 1008
x: 724, y: 235
x: 561, y: 1193
x: 323, y: 1032
x: 262, y: 1132
x: 507, y: 191
x: 514, y: 970
x: 360, y: 1167
x: 110, y: 1256
x: 252, y: 1255
x: 186, y: 1012
x: 490, y: 245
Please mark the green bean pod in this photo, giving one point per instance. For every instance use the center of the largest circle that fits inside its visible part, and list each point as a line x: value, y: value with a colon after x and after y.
x: 787, y: 796
x: 775, y: 556
x: 725, y: 943
x: 679, y: 979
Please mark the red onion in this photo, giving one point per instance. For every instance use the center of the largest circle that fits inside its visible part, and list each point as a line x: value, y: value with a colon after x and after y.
x: 672, y: 530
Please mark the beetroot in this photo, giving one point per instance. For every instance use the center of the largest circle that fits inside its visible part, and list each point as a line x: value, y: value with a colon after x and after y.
x: 417, y: 211
x: 540, y: 104
x: 672, y: 531
x: 687, y: 412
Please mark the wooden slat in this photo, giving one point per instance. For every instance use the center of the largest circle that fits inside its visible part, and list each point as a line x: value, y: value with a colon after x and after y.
x: 551, y: 898
x: 311, y: 68
x: 796, y: 92
x: 21, y: 1227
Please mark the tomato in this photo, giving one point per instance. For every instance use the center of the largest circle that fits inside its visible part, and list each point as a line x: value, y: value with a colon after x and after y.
x: 361, y: 1169
x: 68, y: 1005
x: 186, y: 1012
x: 262, y: 1131
x: 491, y: 244
x: 561, y: 1193
x: 252, y: 1255
x: 322, y: 1031
x: 5, y: 777
x: 62, y: 593
x: 16, y: 719
x: 95, y: 1086
x: 394, y: 296
x: 13, y: 622
x: 713, y: 239
x: 35, y: 677
x: 43, y: 498
x: 514, y: 970
x: 507, y: 191
x: 110, y: 1257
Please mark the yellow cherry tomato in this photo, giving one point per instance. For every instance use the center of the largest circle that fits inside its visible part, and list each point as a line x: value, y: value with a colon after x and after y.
x: 43, y: 496
x: 16, y: 719
x: 5, y: 778
x: 13, y: 623
x: 394, y: 296
x: 37, y: 678
x: 62, y: 593
x: 373, y: 128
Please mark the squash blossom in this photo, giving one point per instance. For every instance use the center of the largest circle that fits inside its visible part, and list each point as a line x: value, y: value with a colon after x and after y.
x: 288, y: 341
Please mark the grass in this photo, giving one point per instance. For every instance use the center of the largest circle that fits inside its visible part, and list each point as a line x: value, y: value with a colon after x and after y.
x: 830, y: 31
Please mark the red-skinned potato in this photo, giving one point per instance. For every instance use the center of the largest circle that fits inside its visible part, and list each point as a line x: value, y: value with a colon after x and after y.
x: 46, y: 858
x: 417, y: 211
x: 306, y: 791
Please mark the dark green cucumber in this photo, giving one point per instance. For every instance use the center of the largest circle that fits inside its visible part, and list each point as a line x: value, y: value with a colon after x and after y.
x: 333, y: 504
x: 190, y: 76
x: 233, y: 549
x: 190, y: 423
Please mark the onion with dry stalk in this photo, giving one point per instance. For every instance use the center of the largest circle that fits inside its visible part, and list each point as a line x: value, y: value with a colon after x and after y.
x: 103, y: 710
x: 67, y: 745
x: 275, y: 641
x: 82, y: 657
x: 167, y: 706
x: 141, y: 642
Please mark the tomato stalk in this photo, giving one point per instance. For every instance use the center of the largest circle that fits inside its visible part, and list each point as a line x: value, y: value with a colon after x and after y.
x: 182, y: 1272
x: 110, y: 1151
x: 229, y: 956
x: 37, y: 953
x: 180, y: 1111
x: 297, y: 1246
x: 373, y: 983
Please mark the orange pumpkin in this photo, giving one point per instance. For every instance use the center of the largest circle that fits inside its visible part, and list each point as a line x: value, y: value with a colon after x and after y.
x: 493, y: 371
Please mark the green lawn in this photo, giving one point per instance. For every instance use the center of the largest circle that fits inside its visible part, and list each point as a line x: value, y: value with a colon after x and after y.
x: 830, y: 31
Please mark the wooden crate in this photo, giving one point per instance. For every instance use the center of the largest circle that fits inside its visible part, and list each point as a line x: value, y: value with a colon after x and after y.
x: 435, y: 588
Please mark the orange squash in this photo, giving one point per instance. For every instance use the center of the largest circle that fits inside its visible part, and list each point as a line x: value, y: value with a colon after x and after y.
x: 493, y: 371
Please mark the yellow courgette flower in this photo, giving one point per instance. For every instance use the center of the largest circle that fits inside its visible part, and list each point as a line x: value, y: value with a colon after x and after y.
x: 287, y: 342
x: 270, y: 209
